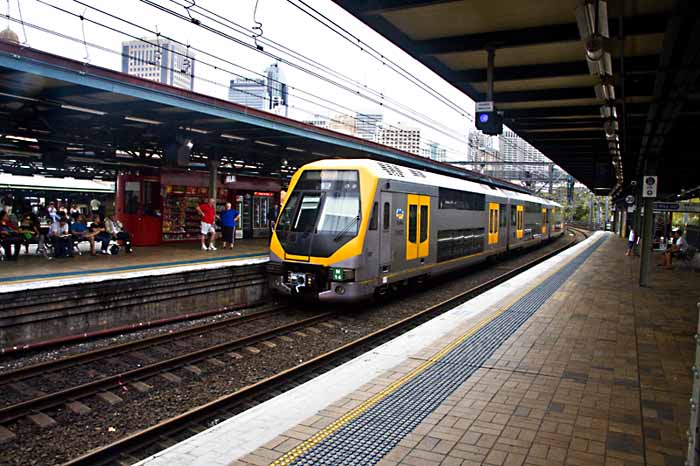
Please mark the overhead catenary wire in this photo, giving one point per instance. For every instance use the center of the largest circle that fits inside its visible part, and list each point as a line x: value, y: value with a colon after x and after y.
x: 79, y: 40
x: 356, y: 41
x: 198, y: 50
x: 230, y: 24
x: 450, y: 150
x: 459, y: 137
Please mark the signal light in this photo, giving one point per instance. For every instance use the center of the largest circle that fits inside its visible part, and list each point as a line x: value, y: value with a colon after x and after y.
x: 490, y: 123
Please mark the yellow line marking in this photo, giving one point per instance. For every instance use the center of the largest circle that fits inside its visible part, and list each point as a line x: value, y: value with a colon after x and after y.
x: 308, y: 444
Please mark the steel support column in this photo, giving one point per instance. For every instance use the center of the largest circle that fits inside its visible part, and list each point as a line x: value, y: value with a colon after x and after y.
x: 213, y: 177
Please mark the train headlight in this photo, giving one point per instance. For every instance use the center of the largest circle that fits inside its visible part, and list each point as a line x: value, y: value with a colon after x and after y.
x: 339, y: 274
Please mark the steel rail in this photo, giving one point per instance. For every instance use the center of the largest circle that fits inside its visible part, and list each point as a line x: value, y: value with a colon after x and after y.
x: 42, y: 368
x: 18, y: 410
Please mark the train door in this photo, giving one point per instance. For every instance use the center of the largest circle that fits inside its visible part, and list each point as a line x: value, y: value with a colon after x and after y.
x: 519, y: 221
x: 544, y: 222
x: 493, y: 223
x: 385, y: 254
x: 417, y: 226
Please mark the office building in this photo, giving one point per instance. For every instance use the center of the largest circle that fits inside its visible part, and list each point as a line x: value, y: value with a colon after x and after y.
x: 159, y: 60
x: 402, y: 137
x: 368, y: 125
x: 249, y: 92
x: 342, y: 123
x: 319, y: 121
x: 515, y: 149
x: 433, y: 151
x: 277, y: 92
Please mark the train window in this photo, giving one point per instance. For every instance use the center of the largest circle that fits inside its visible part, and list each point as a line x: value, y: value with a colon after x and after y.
x: 412, y: 222
x: 423, y: 223
x: 306, y: 219
x: 503, y: 215
x: 373, y: 220
x: 387, y: 215
x: 452, y: 244
x: 460, y: 200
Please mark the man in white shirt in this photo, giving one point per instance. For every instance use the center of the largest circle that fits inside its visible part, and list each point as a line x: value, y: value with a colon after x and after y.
x: 61, y: 237
x: 679, y: 248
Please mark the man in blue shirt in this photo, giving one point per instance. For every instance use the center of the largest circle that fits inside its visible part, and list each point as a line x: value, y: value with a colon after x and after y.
x: 229, y: 216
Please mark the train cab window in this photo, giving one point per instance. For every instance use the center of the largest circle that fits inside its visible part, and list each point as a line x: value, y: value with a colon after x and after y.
x: 373, y: 220
x: 387, y: 216
x: 423, y: 223
x: 412, y: 222
x: 307, y: 213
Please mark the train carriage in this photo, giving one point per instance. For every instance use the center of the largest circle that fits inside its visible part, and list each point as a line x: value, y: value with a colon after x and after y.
x: 352, y: 228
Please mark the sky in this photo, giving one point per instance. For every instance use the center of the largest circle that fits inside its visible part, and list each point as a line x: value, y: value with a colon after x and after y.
x: 281, y: 22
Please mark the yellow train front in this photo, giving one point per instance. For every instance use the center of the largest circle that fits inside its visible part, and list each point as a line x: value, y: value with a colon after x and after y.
x: 350, y: 229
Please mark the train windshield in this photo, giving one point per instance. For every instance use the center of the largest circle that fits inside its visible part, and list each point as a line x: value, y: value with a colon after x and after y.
x: 322, y: 213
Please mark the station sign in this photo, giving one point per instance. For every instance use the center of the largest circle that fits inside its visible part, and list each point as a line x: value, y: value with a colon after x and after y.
x: 485, y: 106
x: 649, y: 186
x: 676, y: 207
x: 230, y: 179
x: 667, y: 205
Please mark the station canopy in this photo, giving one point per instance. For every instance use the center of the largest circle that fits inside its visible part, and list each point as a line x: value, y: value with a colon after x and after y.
x: 608, y: 90
x: 61, y: 117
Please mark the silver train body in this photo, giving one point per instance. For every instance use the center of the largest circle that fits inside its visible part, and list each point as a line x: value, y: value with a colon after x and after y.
x: 350, y: 229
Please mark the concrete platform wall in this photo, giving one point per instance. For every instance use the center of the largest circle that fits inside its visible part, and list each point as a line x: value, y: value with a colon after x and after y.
x: 49, y: 314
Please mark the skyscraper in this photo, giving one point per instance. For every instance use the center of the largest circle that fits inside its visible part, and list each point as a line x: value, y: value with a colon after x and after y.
x: 368, y: 125
x: 434, y: 151
x: 277, y: 89
x: 159, y: 60
x: 342, y: 123
x: 402, y: 137
x: 513, y: 148
x: 249, y: 92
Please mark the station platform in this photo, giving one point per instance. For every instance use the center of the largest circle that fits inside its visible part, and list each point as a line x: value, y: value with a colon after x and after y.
x: 32, y: 271
x: 568, y: 363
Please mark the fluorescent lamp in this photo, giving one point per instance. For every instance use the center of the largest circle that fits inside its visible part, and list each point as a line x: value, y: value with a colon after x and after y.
x: 20, y: 138
x: 143, y: 120
x: 320, y: 154
x: 13, y: 96
x: 294, y: 149
x: 263, y: 143
x: 231, y: 136
x: 195, y: 130
x: 83, y: 109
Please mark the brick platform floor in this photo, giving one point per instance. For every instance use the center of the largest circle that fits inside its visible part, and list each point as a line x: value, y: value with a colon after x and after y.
x: 600, y: 375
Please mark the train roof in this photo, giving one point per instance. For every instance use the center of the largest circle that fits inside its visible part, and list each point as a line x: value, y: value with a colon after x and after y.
x: 390, y: 171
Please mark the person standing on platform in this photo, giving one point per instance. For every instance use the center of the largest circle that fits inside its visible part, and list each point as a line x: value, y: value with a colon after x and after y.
x: 272, y: 217
x: 208, y: 214
x: 229, y: 218
x: 95, y: 205
x: 630, y: 243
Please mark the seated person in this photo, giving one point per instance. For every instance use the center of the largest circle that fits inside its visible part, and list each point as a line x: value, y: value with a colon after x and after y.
x: 80, y: 232
x: 116, y: 229
x: 9, y: 237
x: 99, y: 230
x: 61, y: 237
x: 29, y: 230
x: 679, y: 248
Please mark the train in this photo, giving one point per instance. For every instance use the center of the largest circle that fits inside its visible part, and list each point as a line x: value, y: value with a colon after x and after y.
x: 354, y: 229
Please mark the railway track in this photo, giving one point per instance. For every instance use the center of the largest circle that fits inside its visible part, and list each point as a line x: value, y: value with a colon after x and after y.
x: 151, y: 440
x: 61, y: 369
